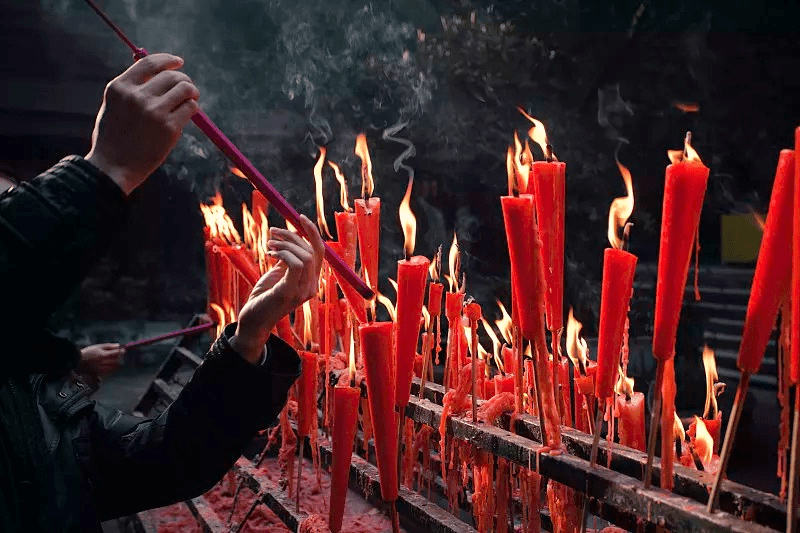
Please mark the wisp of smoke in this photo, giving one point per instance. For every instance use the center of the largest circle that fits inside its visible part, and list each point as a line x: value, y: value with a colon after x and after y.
x: 389, y: 135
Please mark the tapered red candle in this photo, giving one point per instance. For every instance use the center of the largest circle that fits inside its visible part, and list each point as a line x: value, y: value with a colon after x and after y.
x: 631, y: 421
x: 357, y: 303
x: 241, y: 261
x: 684, y: 189
x: 411, y: 275
x: 435, y: 291
x: 307, y: 394
x: 345, y: 423
x: 376, y: 352
x: 773, y: 275
x: 794, y: 361
x: 347, y: 233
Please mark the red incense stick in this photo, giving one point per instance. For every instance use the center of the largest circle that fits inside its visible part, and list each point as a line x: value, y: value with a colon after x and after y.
x: 255, y: 177
x: 158, y: 338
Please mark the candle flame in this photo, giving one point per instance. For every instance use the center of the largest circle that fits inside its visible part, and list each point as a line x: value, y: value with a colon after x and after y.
x: 263, y: 239
x: 538, y: 134
x: 367, y: 185
x: 687, y: 107
x: 238, y: 172
x: 522, y: 164
x: 678, y: 428
x: 342, y: 186
x: 505, y: 324
x: 218, y: 222
x: 352, y: 358
x: 323, y: 226
x: 496, y: 347
x: 393, y: 283
x: 408, y: 221
x: 426, y: 317
x: 371, y: 302
x: 482, y: 353
x: 510, y: 169
x: 251, y: 233
x: 624, y: 384
x: 222, y: 317
x: 436, y: 265
x: 760, y: 222
x: 387, y: 303
x: 621, y: 209
x: 687, y: 154
x: 710, y: 365
x: 454, y: 263
x: 308, y: 318
x: 577, y: 348
x: 703, y: 441
x: 290, y: 226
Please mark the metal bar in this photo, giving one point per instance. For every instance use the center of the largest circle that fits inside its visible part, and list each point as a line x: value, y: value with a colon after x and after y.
x: 205, y: 515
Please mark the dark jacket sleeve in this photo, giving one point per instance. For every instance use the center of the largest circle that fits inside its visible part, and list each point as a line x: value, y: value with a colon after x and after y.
x: 52, y: 230
x: 181, y: 454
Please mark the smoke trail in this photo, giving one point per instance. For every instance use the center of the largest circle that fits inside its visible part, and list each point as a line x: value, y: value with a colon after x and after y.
x: 389, y: 135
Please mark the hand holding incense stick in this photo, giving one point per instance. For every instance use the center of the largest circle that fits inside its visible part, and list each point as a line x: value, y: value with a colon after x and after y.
x: 255, y: 177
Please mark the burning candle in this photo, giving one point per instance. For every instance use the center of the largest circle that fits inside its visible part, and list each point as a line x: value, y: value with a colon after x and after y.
x: 472, y: 312
x: 619, y: 267
x: 345, y: 423
x: 773, y: 274
x: 794, y: 361
x: 376, y: 352
x: 368, y: 215
x: 411, y: 276
x: 357, y: 303
x: 684, y: 188
x: 630, y: 411
x: 346, y: 224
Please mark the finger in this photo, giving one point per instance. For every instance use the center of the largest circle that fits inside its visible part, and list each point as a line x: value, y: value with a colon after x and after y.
x: 149, y: 66
x: 181, y: 92
x: 296, y: 249
x: 183, y: 113
x: 161, y: 83
x: 313, y: 236
x: 294, y: 266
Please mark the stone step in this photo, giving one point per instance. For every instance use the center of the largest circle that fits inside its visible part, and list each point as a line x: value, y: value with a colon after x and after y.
x: 712, y: 276
x: 726, y: 341
x: 726, y: 295
x: 726, y: 360
x: 757, y: 381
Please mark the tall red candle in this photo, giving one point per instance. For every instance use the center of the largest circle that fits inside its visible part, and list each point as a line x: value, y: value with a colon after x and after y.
x: 376, y: 352
x: 260, y: 206
x: 435, y: 291
x: 619, y: 267
x: 241, y: 261
x: 307, y: 394
x: 773, y: 275
x: 354, y: 299
x: 794, y: 360
x: 345, y: 423
x: 548, y: 186
x: 631, y: 421
x: 411, y: 275
x: 684, y: 188
x: 368, y: 222
x: 347, y: 233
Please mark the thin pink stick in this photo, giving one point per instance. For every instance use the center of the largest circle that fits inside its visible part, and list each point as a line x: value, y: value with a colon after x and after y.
x: 164, y: 336
x: 255, y: 177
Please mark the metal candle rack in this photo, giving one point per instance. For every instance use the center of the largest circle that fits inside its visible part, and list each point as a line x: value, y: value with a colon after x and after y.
x: 616, y: 495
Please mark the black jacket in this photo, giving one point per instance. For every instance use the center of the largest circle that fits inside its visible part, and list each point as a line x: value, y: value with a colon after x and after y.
x: 66, y: 462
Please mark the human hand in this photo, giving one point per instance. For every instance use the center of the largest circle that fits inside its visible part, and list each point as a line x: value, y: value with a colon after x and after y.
x: 287, y: 285
x: 99, y: 360
x: 141, y: 119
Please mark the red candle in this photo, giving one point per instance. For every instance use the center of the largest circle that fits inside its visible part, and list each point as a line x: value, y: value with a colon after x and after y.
x: 631, y: 421
x: 411, y: 275
x: 503, y: 384
x: 354, y: 299
x: 323, y: 329
x: 619, y: 267
x: 368, y: 221
x: 773, y: 274
x: 260, y: 206
x: 345, y: 421
x: 453, y: 301
x: 566, y: 398
x: 284, y: 330
x: 241, y: 261
x: 684, y: 188
x: 347, y: 233
x: 520, y: 225
x: 549, y: 184
x: 376, y: 352
x: 307, y: 394
x: 435, y: 291
x: 794, y: 360
x: 668, y: 391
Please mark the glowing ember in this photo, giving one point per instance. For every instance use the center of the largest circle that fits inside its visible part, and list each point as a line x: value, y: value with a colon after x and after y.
x: 538, y: 134
x: 323, y: 226
x: 505, y: 324
x: 238, y: 172
x: 367, y: 185
x: 687, y: 154
x: 621, y: 209
x: 454, y: 262
x: 342, y: 186
x: 219, y: 223
x: 703, y: 441
x: 408, y: 221
x: 577, y: 348
x: 710, y: 365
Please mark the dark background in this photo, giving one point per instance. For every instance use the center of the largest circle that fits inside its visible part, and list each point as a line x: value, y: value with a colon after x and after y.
x: 285, y: 77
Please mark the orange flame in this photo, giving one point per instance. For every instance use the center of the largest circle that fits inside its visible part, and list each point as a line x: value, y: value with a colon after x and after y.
x: 678, y: 428
x: 538, y: 134
x: 238, y: 172
x: 624, y: 384
x: 408, y: 221
x: 352, y: 365
x: 760, y: 222
x: 219, y: 223
x: 323, y: 226
x: 703, y: 441
x: 621, y: 209
x: 495, y: 344
x: 504, y: 325
x: 387, y: 303
x: 426, y: 316
x: 263, y: 239
x: 222, y: 317
x: 710, y: 365
x: 687, y: 154
x: 308, y: 318
x: 367, y: 185
x: 433, y: 270
x: 510, y: 166
x: 577, y: 348
x: 454, y: 263
x: 250, y: 230
x: 342, y: 186
x: 687, y: 107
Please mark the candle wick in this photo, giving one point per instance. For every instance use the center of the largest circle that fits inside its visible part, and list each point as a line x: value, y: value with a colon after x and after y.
x: 549, y: 153
x: 407, y: 255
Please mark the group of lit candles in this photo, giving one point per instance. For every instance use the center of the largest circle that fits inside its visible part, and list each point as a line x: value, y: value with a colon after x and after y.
x: 537, y: 374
